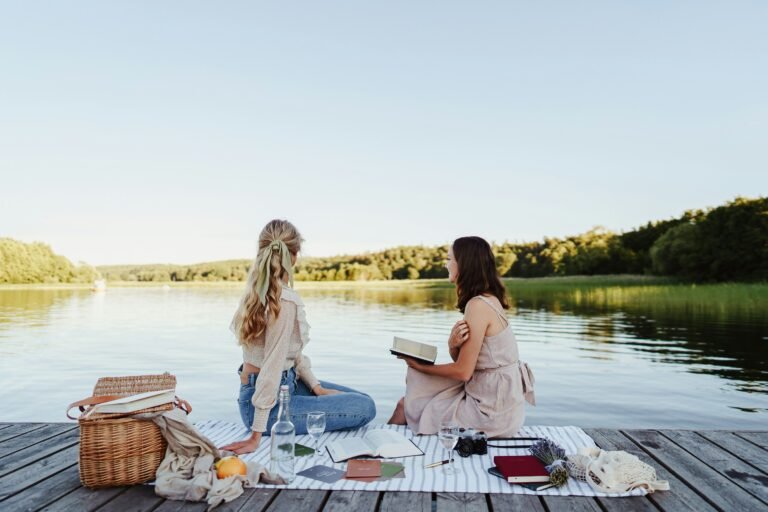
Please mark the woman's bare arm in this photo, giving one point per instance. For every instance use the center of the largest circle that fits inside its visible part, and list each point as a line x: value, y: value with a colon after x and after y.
x: 478, y: 319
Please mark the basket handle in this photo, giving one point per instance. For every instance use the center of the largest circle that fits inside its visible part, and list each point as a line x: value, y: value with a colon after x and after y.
x: 91, y: 400
x: 183, y: 405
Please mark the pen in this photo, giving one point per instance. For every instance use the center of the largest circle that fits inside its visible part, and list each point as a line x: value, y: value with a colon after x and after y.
x: 438, y: 463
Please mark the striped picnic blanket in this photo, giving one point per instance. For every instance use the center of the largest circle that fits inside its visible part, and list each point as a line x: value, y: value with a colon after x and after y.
x: 473, y: 477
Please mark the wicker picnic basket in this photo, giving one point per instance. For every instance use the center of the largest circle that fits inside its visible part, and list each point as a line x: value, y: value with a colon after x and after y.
x: 116, y: 449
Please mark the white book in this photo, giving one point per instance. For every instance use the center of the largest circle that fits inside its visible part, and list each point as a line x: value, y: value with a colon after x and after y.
x: 416, y: 349
x: 135, y: 402
x: 374, y: 443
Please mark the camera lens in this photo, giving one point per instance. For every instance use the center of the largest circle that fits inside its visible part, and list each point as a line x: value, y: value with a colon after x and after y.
x: 465, y: 446
x: 480, y: 443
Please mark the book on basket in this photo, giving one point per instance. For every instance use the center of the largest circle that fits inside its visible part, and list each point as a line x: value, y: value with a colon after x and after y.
x: 416, y: 349
x: 136, y: 402
x: 521, y: 469
x: 374, y: 443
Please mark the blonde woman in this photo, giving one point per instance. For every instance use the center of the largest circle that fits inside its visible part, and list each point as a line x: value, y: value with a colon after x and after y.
x: 271, y: 326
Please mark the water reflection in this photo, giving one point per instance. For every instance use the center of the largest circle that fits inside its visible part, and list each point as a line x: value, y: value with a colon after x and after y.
x: 718, y: 330
x: 33, y: 308
x: 433, y: 297
x: 619, y: 350
x: 725, y: 334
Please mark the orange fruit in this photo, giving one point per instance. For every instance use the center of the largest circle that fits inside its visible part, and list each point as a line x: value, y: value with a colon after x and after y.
x: 229, y: 466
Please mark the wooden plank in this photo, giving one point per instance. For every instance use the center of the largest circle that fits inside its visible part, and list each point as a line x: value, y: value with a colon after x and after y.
x: 728, y: 465
x: 757, y: 438
x: 527, y: 502
x: 252, y: 500
x: 679, y: 496
x: 406, y: 501
x: 461, y: 502
x: 39, y: 451
x: 19, y: 429
x: 351, y: 501
x: 33, y: 473
x: 571, y: 504
x: 83, y: 499
x: 138, y: 498
x: 741, y: 448
x: 185, y: 506
x: 716, y: 488
x: 298, y: 501
x: 628, y: 504
x: 44, y: 492
x: 30, y: 438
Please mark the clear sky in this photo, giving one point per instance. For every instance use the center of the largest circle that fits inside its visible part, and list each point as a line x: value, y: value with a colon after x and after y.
x: 146, y: 131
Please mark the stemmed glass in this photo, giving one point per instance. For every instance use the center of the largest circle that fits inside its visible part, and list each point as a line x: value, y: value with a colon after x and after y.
x: 316, y: 427
x: 449, y: 436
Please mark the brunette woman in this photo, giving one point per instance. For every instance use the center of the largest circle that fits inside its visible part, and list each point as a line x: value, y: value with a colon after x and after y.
x: 486, y: 386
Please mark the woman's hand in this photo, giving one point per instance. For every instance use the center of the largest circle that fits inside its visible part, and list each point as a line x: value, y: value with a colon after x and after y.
x: 320, y: 391
x: 412, y: 363
x: 247, y: 446
x: 459, y: 334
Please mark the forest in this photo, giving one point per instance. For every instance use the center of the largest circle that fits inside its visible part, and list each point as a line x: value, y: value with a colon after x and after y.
x: 725, y: 243
x: 23, y: 263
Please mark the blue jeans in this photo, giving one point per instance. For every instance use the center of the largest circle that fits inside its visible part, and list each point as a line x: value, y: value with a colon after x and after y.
x: 344, y: 411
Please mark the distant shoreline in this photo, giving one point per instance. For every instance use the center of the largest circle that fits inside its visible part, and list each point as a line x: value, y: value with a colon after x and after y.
x: 597, y: 280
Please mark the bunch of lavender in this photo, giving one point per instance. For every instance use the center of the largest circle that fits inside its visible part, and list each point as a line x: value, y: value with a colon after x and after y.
x: 553, y: 457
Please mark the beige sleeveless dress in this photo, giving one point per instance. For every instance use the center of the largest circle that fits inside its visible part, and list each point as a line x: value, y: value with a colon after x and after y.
x: 493, y: 400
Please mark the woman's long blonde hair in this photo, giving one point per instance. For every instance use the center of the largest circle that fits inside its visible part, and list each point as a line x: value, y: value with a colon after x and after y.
x: 250, y: 320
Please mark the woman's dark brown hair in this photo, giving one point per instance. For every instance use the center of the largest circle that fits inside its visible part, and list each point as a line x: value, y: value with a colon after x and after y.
x: 477, y: 271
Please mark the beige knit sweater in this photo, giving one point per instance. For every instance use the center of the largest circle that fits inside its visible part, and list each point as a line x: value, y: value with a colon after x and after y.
x: 278, y: 349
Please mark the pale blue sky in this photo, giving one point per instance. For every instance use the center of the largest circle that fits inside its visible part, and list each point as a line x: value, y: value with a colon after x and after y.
x: 172, y: 131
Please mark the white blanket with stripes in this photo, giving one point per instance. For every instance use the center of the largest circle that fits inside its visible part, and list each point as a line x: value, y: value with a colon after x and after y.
x: 473, y: 477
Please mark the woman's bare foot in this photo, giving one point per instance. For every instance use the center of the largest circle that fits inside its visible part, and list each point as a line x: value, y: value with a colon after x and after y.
x: 398, y: 416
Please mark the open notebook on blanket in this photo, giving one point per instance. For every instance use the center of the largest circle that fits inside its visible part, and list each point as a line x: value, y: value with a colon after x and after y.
x: 374, y: 443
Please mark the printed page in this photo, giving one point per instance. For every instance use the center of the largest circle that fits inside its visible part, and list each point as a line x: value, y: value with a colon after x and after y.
x: 415, y: 348
x: 350, y: 447
x: 389, y: 443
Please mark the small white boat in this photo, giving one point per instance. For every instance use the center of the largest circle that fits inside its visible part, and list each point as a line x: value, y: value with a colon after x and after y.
x: 99, y: 285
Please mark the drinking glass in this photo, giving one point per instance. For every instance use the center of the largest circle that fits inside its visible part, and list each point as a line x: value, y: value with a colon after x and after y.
x: 449, y: 436
x: 316, y: 427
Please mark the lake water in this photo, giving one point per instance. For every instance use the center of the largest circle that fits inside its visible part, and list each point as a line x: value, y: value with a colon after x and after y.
x: 603, y: 356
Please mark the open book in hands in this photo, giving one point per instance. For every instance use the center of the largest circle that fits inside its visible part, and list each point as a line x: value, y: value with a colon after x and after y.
x: 374, y: 443
x: 415, y: 349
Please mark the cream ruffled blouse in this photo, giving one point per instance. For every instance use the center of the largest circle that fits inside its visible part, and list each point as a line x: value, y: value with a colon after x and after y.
x: 279, y: 349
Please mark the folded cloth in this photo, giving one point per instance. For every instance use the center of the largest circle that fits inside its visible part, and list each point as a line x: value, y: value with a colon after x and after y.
x: 187, y: 472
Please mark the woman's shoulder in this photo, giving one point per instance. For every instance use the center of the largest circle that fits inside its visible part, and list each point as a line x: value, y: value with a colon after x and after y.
x: 490, y: 303
x: 290, y: 295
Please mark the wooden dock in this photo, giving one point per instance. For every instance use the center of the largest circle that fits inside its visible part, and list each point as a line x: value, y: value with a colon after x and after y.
x: 707, y: 470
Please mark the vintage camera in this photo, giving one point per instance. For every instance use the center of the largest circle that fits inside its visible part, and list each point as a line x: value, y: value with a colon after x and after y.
x: 471, y: 442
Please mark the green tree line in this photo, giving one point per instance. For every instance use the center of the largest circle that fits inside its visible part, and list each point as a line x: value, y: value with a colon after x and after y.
x: 729, y: 242
x: 228, y: 270
x: 36, y: 263
x: 726, y: 243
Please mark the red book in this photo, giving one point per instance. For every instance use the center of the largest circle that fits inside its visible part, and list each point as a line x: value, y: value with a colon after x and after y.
x: 521, y: 469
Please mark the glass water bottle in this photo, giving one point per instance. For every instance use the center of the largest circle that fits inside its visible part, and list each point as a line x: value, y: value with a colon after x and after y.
x: 283, y: 433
